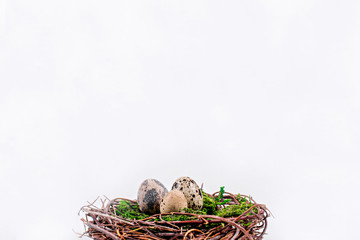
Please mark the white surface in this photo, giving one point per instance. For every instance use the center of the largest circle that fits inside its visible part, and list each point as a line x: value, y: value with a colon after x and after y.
x: 262, y: 97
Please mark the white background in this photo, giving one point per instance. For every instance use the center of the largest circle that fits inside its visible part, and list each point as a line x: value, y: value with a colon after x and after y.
x: 262, y: 97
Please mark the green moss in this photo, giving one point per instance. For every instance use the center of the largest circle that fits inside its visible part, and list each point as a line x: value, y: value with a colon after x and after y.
x: 176, y: 218
x: 240, y: 198
x: 236, y: 210
x: 209, y: 204
x: 199, y: 212
x: 129, y: 210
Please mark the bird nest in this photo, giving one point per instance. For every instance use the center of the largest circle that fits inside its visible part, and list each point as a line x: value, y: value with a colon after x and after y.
x: 106, y: 222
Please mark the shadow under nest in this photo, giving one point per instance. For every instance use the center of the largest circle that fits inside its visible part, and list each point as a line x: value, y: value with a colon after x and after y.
x: 237, y: 217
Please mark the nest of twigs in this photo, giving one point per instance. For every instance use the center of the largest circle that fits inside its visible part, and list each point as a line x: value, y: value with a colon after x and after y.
x: 103, y: 223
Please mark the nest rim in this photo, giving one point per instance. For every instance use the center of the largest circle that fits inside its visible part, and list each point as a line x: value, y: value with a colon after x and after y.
x: 105, y: 224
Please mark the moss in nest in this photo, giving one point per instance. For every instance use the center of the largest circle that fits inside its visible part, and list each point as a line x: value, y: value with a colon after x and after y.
x: 129, y: 210
x: 209, y: 204
x: 242, y: 199
x: 237, y: 210
x: 176, y: 218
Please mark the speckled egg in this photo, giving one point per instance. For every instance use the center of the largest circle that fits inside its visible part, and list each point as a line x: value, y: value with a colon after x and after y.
x: 191, y: 192
x: 173, y: 201
x: 150, y: 193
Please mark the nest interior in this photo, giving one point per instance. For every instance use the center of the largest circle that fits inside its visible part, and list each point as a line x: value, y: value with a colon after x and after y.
x: 233, y: 217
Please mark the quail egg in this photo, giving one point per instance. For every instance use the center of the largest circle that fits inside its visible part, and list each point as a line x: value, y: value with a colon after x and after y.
x: 150, y: 193
x: 173, y: 201
x: 191, y: 191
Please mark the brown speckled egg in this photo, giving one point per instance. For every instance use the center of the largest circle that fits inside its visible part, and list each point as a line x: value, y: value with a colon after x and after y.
x: 150, y: 193
x: 191, y: 192
x: 173, y: 201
